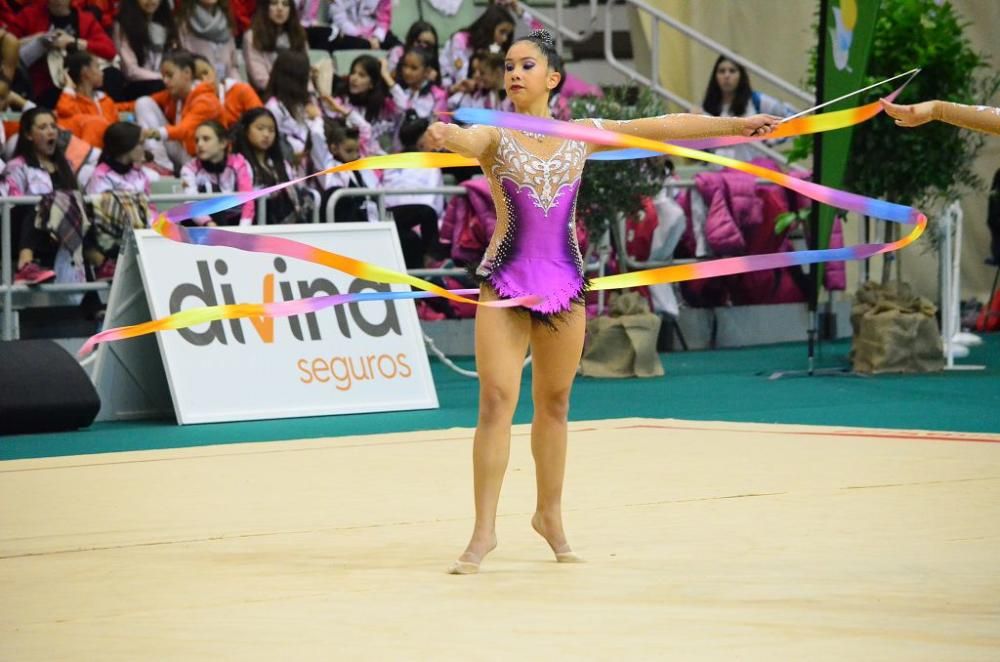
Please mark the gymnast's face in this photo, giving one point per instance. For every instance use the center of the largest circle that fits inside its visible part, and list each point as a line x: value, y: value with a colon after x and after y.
x: 527, y: 75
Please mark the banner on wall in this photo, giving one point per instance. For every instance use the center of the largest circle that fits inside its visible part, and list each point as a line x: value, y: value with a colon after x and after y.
x: 848, y: 45
x: 362, y: 357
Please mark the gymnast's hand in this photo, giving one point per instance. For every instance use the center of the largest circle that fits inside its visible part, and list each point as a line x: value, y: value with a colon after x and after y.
x: 759, y: 125
x: 909, y: 116
x: 435, y: 136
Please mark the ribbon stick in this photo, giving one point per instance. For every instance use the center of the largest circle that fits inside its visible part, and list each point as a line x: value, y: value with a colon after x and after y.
x: 627, y: 146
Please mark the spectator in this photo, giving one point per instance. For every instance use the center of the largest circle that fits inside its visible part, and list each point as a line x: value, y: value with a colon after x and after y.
x: 300, y: 124
x: 420, y: 35
x: 206, y: 28
x: 242, y: 15
x: 410, y: 211
x: 256, y: 138
x: 215, y: 170
x: 366, y: 90
x: 171, y: 116
x: 492, y: 31
x: 120, y: 166
x: 361, y: 24
x: 144, y: 32
x: 344, y: 147
x: 729, y: 94
x: 312, y: 15
x: 275, y: 26
x: 235, y: 96
x: 84, y: 110
x: 49, y: 30
x: 120, y: 171
x: 414, y: 88
x: 39, y: 167
x: 103, y: 10
x: 484, y: 87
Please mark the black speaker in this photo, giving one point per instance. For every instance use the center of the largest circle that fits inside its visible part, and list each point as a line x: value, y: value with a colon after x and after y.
x: 43, y: 389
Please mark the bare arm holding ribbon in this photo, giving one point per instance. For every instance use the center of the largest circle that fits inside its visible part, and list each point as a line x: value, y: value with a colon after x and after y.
x: 683, y: 126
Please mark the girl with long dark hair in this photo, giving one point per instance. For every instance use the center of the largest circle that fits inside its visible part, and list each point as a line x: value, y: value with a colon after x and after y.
x: 366, y: 90
x: 729, y: 94
x: 299, y: 120
x: 275, y: 27
x: 256, y: 138
x: 39, y: 167
x: 492, y: 31
x: 144, y: 31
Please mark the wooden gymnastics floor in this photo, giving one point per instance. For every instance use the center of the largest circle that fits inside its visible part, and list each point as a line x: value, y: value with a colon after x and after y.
x: 704, y: 541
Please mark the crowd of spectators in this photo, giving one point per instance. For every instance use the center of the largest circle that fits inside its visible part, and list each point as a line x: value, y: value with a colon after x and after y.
x: 227, y: 95
x: 106, y: 97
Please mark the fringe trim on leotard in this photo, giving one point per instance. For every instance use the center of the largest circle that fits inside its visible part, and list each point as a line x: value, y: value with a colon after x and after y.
x: 575, y: 295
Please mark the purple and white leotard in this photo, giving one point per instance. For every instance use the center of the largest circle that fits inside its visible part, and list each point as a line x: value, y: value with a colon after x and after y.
x: 535, y: 180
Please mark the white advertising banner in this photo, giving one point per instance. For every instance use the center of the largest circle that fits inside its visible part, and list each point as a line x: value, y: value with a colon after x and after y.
x: 361, y: 357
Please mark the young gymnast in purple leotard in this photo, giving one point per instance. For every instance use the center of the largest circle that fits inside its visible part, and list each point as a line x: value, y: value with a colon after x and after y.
x: 534, y: 179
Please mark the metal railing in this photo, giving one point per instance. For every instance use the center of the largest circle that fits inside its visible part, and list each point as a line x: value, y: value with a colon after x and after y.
x: 602, y: 246
x: 653, y: 82
x: 561, y: 30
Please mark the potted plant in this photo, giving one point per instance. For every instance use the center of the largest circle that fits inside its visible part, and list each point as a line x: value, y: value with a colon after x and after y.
x: 936, y: 159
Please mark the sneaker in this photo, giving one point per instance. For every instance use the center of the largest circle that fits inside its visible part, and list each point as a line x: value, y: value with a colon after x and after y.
x: 33, y: 274
x: 106, y: 271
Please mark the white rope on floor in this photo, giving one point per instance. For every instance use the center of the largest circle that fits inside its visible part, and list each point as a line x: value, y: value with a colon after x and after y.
x: 451, y: 364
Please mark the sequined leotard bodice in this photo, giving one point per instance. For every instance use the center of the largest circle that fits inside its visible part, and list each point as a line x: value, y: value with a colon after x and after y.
x: 535, y: 180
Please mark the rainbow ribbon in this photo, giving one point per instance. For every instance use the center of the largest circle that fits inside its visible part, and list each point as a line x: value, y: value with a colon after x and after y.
x: 628, y: 147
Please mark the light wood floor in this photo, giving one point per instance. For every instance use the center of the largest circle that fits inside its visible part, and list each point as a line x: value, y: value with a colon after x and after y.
x: 704, y: 541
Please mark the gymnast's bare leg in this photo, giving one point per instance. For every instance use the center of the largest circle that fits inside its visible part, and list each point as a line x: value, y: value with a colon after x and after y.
x: 554, y: 359
x: 502, y: 336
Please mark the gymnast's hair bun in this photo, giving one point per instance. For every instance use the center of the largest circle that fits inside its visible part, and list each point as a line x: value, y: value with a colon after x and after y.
x: 543, y: 36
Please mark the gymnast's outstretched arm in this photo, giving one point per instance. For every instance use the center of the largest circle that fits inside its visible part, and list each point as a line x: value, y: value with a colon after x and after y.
x: 977, y: 118
x: 683, y: 126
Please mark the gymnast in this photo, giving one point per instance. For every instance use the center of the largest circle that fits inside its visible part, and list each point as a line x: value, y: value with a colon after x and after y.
x: 534, y: 179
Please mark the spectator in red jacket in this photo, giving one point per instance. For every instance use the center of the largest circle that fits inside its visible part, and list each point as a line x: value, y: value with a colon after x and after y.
x: 54, y: 26
x: 103, y: 10
x: 242, y: 15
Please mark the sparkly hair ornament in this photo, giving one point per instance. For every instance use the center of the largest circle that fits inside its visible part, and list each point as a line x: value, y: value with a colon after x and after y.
x: 543, y: 36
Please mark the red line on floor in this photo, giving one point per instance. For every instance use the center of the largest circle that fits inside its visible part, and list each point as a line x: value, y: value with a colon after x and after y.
x: 917, y: 436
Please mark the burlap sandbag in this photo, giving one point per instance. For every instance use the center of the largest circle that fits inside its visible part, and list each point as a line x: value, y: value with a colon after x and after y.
x: 624, y: 344
x: 894, y: 331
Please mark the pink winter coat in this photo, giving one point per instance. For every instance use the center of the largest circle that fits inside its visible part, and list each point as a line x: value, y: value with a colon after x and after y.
x: 469, y: 221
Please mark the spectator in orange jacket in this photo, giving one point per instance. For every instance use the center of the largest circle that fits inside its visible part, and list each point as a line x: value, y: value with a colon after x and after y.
x: 236, y: 96
x: 169, y: 132
x: 84, y: 110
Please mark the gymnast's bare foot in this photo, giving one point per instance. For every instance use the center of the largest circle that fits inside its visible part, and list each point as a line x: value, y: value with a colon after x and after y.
x: 479, y: 547
x: 550, y: 528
